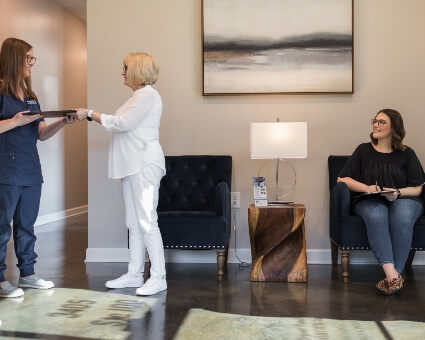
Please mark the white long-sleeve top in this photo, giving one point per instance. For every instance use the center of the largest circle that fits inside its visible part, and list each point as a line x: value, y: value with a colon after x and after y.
x: 135, y: 139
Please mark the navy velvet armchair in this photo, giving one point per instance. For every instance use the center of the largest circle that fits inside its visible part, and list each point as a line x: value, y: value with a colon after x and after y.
x: 194, y: 204
x: 347, y: 231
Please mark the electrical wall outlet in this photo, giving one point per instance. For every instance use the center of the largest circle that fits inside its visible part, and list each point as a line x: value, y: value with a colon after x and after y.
x: 235, y: 199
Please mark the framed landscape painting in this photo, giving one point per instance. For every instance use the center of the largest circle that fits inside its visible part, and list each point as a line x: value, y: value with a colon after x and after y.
x: 277, y: 46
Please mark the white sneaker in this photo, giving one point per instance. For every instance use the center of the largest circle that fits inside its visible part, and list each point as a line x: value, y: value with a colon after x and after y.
x: 7, y: 290
x: 152, y: 287
x: 126, y: 280
x: 36, y: 282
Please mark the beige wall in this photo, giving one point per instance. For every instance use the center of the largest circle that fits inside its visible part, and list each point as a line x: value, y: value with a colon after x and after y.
x: 59, y: 81
x: 389, y: 72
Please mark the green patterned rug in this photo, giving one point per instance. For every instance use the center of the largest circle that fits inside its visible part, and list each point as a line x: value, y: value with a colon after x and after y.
x: 83, y: 314
x: 206, y: 325
x: 76, y: 313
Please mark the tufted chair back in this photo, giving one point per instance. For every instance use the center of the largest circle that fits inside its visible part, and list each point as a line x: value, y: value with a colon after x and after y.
x: 190, y: 182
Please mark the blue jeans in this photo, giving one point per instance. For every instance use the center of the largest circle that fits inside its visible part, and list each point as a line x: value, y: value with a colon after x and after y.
x: 20, y: 204
x: 390, y: 228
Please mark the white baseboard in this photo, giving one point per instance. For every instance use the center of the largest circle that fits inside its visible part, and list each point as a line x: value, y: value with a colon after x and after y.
x: 314, y: 256
x: 60, y: 215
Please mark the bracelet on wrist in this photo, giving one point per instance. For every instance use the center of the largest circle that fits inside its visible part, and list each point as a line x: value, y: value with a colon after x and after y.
x: 89, y: 118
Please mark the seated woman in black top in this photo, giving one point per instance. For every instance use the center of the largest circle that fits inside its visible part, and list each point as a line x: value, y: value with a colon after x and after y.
x: 386, y: 164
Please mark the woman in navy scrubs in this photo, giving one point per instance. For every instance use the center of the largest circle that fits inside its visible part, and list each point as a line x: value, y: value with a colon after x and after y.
x: 20, y: 169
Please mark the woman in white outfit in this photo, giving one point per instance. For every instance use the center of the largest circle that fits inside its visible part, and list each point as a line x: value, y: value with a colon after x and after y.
x: 136, y: 157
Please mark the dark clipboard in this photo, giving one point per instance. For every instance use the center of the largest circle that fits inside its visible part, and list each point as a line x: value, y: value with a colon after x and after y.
x: 376, y: 193
x: 366, y: 195
x: 53, y: 114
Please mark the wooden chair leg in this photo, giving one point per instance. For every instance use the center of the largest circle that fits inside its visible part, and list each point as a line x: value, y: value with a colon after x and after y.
x: 410, y: 257
x: 334, y: 253
x: 221, y: 259
x: 345, y: 263
x: 227, y: 254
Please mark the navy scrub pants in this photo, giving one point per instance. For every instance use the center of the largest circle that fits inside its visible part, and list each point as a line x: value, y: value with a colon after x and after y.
x: 20, y: 204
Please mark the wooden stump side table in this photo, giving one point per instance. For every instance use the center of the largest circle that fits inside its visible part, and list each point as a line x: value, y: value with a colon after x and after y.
x: 278, y: 244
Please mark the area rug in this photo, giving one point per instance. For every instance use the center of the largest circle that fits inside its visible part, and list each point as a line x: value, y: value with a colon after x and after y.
x: 206, y: 325
x: 76, y: 313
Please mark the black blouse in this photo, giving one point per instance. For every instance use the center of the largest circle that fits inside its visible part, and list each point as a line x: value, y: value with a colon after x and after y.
x: 398, y: 169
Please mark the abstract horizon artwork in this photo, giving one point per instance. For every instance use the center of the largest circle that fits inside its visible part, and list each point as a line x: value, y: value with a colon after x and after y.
x: 277, y: 46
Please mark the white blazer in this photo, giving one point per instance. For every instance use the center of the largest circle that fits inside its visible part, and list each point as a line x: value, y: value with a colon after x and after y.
x: 135, y: 139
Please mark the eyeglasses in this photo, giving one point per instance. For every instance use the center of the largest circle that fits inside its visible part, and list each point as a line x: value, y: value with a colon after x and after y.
x: 380, y: 122
x: 125, y: 68
x: 31, y: 59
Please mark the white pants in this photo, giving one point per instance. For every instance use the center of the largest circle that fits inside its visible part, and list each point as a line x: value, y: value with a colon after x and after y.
x: 140, y: 192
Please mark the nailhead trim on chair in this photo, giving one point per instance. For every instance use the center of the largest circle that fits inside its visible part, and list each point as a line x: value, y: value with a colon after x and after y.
x: 355, y: 248
x: 367, y: 248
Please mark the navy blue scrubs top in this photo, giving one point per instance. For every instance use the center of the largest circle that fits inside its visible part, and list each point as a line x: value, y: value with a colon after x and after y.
x: 19, y: 160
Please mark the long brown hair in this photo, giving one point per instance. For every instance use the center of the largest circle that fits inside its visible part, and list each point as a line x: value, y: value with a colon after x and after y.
x: 12, y: 68
x: 398, y: 132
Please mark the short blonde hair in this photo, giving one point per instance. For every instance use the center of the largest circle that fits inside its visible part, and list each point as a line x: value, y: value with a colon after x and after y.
x: 142, y: 69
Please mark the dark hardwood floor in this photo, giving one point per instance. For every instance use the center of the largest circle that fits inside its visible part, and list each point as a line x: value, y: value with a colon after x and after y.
x: 61, y: 247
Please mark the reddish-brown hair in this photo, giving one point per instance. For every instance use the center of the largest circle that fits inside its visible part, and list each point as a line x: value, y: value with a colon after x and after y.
x: 12, y: 68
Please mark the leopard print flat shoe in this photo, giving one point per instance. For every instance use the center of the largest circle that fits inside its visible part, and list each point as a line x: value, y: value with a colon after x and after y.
x: 395, y: 284
x: 382, y: 286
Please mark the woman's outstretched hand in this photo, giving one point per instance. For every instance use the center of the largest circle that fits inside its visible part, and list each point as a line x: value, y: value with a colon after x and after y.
x: 21, y: 119
x: 82, y: 113
x: 70, y: 119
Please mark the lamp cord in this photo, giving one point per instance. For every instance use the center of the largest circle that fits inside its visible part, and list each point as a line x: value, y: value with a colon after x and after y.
x: 241, y: 263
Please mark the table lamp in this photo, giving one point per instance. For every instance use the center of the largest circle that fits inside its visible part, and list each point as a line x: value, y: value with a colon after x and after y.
x: 278, y: 141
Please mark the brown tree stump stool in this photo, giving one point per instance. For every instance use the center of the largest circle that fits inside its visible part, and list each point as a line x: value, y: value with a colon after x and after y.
x: 278, y: 244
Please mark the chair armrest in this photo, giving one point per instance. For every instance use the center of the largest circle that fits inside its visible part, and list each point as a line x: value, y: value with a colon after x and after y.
x: 339, y: 206
x: 222, y: 199
x: 423, y: 197
x: 340, y: 199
